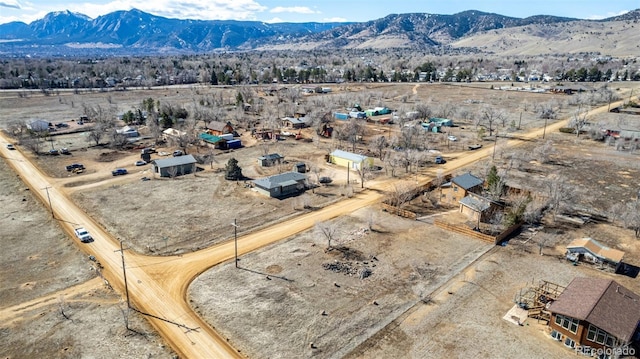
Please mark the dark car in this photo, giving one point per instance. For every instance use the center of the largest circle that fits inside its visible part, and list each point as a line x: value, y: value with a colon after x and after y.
x: 177, y: 153
x: 119, y: 172
x: 74, y: 166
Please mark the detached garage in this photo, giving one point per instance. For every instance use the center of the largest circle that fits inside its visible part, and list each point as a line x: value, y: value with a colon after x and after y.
x: 174, y: 166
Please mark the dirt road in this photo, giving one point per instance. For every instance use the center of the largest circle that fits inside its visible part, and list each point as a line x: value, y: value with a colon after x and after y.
x: 187, y: 334
x: 158, y: 285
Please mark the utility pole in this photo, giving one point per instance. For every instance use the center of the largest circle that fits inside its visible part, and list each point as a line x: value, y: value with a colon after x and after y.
x: 49, y: 199
x: 235, y: 239
x: 495, y: 144
x: 348, y: 169
x: 124, y: 273
x: 520, y: 120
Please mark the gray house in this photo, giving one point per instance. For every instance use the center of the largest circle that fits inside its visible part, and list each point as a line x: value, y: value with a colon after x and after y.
x: 281, y: 185
x: 270, y: 160
x: 174, y: 166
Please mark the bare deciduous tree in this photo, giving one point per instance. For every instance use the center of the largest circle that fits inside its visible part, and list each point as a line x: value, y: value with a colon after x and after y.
x: 560, y: 193
x: 579, y: 120
x: 401, y: 193
x: 378, y: 144
x: 490, y: 116
x: 629, y: 214
x: 392, y: 161
x: 327, y: 230
x: 544, y: 151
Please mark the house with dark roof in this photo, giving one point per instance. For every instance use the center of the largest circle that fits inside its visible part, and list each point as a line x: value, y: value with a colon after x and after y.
x: 595, y: 313
x: 281, y: 185
x: 459, y: 186
x: 269, y: 160
x: 174, y: 166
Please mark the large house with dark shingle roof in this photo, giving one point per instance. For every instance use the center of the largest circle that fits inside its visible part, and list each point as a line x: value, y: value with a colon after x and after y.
x: 281, y: 185
x: 596, y: 313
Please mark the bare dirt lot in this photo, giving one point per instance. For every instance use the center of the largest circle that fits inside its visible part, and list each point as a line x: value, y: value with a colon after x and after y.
x: 44, y: 274
x: 285, y: 287
x: 287, y: 284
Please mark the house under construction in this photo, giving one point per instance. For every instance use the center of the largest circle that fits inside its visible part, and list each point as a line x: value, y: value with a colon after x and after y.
x: 537, y: 297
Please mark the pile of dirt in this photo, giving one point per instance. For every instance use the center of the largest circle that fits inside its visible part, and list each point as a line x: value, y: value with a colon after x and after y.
x: 110, y: 156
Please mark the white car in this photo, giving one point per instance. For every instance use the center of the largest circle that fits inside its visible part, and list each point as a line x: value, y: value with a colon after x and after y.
x: 452, y: 138
x: 83, y: 235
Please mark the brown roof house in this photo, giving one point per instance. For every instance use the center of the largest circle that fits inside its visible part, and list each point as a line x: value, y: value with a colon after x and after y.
x: 591, y: 251
x: 460, y: 186
x: 218, y: 128
x: 596, y: 315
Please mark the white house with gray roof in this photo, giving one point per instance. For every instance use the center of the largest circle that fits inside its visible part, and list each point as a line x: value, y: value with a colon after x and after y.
x: 281, y: 185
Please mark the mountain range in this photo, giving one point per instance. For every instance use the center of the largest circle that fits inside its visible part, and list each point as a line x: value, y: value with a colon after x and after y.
x: 135, y: 32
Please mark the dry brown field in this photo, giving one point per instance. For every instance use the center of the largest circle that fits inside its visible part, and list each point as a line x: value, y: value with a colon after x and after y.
x: 430, y: 294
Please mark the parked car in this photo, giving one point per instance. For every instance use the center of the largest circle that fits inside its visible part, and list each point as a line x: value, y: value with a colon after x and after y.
x: 177, y: 153
x: 145, y: 179
x: 452, y: 138
x: 11, y: 147
x: 119, y: 172
x: 54, y: 152
x: 64, y: 151
x: 61, y: 125
x: 140, y: 163
x: 440, y: 160
x: 74, y: 166
x: 83, y: 235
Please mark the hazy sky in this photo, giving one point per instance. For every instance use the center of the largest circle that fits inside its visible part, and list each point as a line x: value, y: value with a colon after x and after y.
x: 313, y: 10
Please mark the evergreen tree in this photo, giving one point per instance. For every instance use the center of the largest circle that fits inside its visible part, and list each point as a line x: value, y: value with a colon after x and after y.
x: 214, y: 77
x: 233, y: 171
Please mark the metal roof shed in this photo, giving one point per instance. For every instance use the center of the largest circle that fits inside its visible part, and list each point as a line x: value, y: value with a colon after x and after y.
x: 174, y: 166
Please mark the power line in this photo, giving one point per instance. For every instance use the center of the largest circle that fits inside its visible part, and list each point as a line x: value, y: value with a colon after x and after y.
x: 49, y: 198
x: 126, y: 289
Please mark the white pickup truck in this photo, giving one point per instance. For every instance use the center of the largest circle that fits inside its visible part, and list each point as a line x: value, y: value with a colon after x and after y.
x: 83, y: 235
